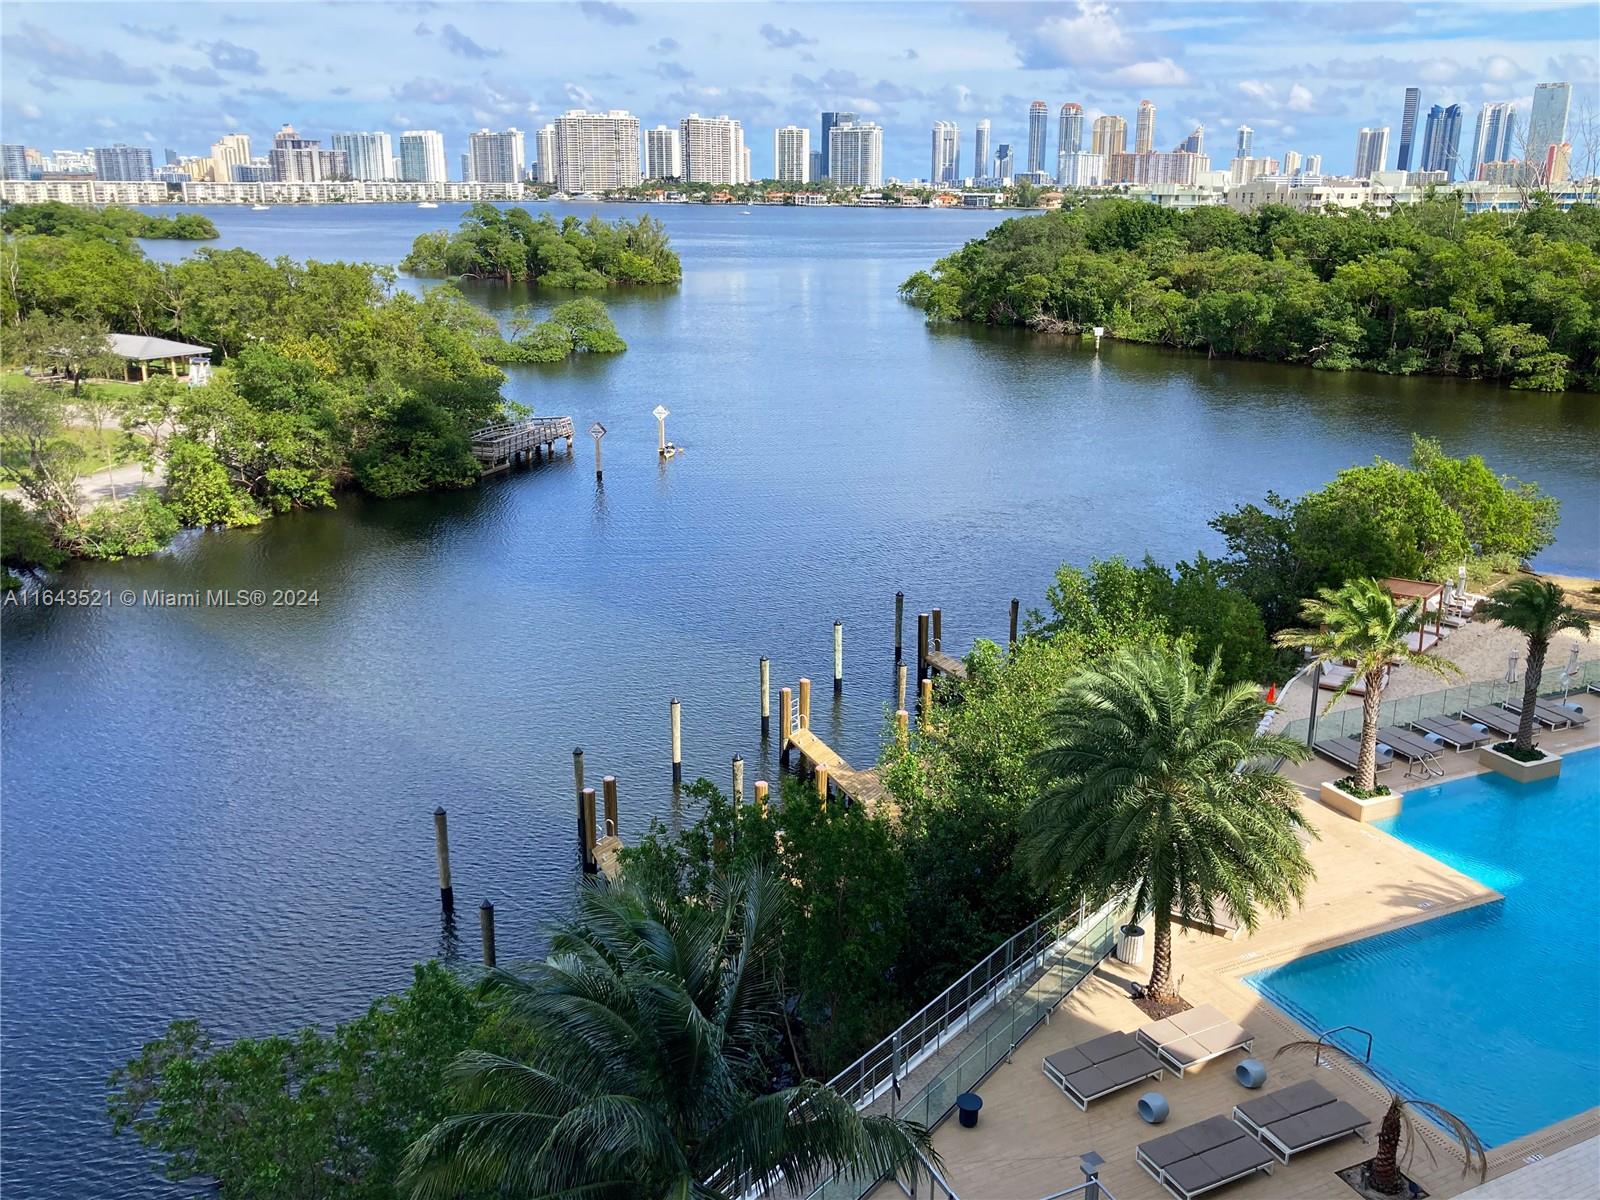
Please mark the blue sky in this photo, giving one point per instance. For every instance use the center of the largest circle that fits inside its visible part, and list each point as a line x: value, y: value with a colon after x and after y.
x: 1306, y: 76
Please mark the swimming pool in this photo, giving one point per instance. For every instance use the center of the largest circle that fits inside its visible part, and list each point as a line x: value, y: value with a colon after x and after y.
x: 1492, y: 1012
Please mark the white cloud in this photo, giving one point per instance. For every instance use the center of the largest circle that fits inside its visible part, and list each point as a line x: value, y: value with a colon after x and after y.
x: 1300, y: 99
x: 1160, y: 72
x: 1091, y: 38
x: 31, y: 111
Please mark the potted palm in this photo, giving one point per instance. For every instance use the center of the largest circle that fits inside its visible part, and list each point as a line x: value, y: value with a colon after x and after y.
x: 1537, y: 609
x: 1360, y: 624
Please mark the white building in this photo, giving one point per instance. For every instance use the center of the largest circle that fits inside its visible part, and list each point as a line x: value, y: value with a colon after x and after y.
x: 791, y: 154
x: 422, y: 156
x: 367, y: 155
x: 663, y: 153
x: 713, y: 149
x: 980, y: 150
x: 496, y: 157
x: 546, y: 146
x: 1080, y: 168
x: 855, y: 154
x: 597, y: 151
x: 945, y: 166
x: 1372, y: 151
x: 228, y: 152
x: 1243, y: 170
x: 1144, y: 136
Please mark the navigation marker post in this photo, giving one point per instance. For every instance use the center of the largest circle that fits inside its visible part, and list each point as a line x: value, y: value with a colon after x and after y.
x: 597, y: 431
x: 661, y: 414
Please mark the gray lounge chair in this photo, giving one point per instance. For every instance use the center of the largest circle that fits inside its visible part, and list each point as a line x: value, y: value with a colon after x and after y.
x: 1185, y: 1040
x: 1202, y: 1157
x: 1595, y: 687
x: 1492, y: 716
x: 1100, y: 1067
x: 1423, y: 755
x: 1346, y: 750
x: 1550, y: 716
x: 1452, y: 733
x: 1300, y: 1117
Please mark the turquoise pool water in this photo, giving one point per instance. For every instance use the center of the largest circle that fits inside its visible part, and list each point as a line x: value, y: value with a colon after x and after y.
x: 1493, y: 1012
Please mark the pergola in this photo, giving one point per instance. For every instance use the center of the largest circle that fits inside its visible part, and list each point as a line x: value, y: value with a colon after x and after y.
x: 1407, y: 591
x: 136, y: 347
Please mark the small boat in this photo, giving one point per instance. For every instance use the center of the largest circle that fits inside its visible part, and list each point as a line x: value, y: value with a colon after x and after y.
x: 259, y: 207
x: 747, y: 213
x: 427, y: 204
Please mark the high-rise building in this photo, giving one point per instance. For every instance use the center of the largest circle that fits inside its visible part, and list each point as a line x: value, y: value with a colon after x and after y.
x: 228, y: 152
x: 1082, y: 169
x: 1144, y: 130
x: 1195, y: 143
x: 1038, y: 131
x: 1557, y: 163
x: 1110, y: 136
x: 333, y: 164
x: 1244, y: 169
x: 1372, y: 151
x: 497, y: 157
x: 791, y: 154
x: 855, y: 155
x: 121, y: 162
x: 1441, y: 140
x: 816, y: 166
x: 1313, y: 165
x: 1493, y: 137
x: 596, y: 151
x: 369, y: 155
x: 1005, y: 163
x: 1245, y: 139
x: 713, y: 149
x: 1291, y: 162
x: 1547, y: 123
x: 945, y: 166
x: 744, y: 165
x: 15, y: 156
x: 980, y: 150
x: 545, y: 144
x: 422, y: 156
x: 294, y: 158
x: 1069, y: 137
x: 663, y: 153
x: 1178, y: 166
x: 1408, y: 129
x: 829, y: 120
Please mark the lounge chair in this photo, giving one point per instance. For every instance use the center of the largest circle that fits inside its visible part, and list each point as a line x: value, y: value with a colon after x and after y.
x: 1334, y: 675
x: 1550, y: 714
x: 1492, y: 716
x: 1300, y: 1117
x: 1186, y: 1040
x: 1595, y: 687
x: 1346, y: 750
x: 1452, y: 733
x: 1202, y: 1157
x: 1100, y: 1067
x: 1419, y: 752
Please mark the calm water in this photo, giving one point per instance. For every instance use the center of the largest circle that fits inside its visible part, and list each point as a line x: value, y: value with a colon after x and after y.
x: 1489, y: 1012
x: 225, y: 813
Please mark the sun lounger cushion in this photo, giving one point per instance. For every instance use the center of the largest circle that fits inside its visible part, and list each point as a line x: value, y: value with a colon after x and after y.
x: 1208, y: 1169
x: 1180, y: 1025
x: 1286, y: 1102
x: 1189, y: 1141
x: 1080, y: 1058
x: 1320, y: 1124
x: 1113, y: 1074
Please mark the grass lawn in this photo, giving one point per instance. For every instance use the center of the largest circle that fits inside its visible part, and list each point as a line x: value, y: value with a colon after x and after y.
x: 110, y: 387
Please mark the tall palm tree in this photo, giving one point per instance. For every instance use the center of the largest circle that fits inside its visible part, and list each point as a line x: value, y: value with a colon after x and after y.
x: 1360, y: 623
x: 1537, y: 609
x: 1399, y: 1123
x: 1157, y: 781
x: 644, y: 1075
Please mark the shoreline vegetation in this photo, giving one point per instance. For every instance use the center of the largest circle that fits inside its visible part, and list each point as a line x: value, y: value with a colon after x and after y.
x: 55, y: 219
x: 872, y: 911
x: 512, y: 245
x: 1506, y: 297
x: 326, y: 378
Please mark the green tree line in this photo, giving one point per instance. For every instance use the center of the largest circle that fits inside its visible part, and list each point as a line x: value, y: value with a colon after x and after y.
x: 510, y: 244
x: 1425, y: 289
x: 114, y: 221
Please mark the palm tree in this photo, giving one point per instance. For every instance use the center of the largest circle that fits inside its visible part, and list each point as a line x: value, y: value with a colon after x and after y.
x: 1157, y: 781
x: 1538, y: 610
x: 1360, y: 623
x: 646, y: 1030
x: 1399, y: 1121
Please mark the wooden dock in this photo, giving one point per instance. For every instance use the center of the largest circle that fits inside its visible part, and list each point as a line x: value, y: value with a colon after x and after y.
x: 605, y: 853
x: 862, y: 787
x: 946, y: 664
x: 497, y: 447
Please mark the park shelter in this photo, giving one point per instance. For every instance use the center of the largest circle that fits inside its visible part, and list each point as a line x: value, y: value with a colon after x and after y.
x: 1431, y: 597
x: 138, y: 348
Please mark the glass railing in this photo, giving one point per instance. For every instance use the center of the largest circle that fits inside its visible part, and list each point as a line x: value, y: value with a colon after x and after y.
x: 991, y: 1024
x: 1447, y: 702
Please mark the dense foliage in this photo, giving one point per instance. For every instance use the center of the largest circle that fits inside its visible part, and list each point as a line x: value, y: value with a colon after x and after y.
x: 510, y: 244
x: 1425, y: 289
x: 114, y: 222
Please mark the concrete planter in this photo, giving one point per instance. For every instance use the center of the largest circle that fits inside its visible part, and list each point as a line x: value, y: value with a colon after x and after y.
x: 1547, y: 767
x: 1354, y: 807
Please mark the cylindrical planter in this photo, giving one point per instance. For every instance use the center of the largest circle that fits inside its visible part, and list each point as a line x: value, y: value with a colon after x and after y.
x: 1130, y: 944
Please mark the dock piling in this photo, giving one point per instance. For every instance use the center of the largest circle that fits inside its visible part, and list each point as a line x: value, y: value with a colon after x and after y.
x: 927, y: 704
x: 761, y: 796
x: 785, y: 725
x: 577, y: 771
x: 902, y: 728
x: 922, y: 644
x: 738, y: 780
x: 1015, y: 606
x: 805, y: 703
x: 821, y: 775
x: 677, y: 741
x: 938, y: 629
x: 608, y: 788
x: 766, y: 696
x: 486, y: 928
x: 900, y: 686
x: 899, y: 618
x: 441, y: 850
x: 586, y: 840
x: 838, y: 657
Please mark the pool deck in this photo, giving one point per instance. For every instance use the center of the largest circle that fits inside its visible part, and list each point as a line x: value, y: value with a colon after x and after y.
x: 1029, y: 1137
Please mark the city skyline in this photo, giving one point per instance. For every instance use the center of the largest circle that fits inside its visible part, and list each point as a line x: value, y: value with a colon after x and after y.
x: 85, y: 75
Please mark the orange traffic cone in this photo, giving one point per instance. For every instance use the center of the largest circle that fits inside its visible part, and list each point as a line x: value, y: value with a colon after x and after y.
x: 1272, y: 693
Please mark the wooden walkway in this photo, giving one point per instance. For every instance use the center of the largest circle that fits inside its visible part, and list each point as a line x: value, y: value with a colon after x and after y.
x: 946, y: 664
x: 863, y: 787
x: 496, y: 447
x: 605, y: 853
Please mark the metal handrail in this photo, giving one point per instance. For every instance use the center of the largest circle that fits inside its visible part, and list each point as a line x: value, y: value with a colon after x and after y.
x: 1322, y: 1039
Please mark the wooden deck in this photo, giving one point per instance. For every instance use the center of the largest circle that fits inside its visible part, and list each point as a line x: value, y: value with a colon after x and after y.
x: 863, y: 787
x: 496, y: 447
x: 605, y: 853
x: 946, y: 664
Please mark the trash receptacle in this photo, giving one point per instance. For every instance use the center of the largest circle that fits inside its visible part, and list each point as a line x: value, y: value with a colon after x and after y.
x: 967, y: 1106
x: 1130, y: 944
